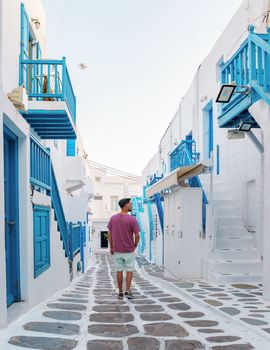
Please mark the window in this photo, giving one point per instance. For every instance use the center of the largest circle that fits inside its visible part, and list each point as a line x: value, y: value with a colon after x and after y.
x: 114, y: 203
x: 41, y: 239
x: 71, y: 148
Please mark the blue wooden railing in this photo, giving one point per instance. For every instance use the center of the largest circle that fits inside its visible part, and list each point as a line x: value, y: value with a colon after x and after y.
x: 249, y: 66
x: 40, y: 165
x: 137, y: 207
x: 48, y: 80
x: 185, y: 154
x: 59, y: 213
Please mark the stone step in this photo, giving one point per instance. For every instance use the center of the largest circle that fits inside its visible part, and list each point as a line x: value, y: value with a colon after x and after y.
x: 230, y: 220
x: 234, y: 254
x: 236, y: 267
x: 235, y: 242
x: 221, y: 278
x: 231, y: 231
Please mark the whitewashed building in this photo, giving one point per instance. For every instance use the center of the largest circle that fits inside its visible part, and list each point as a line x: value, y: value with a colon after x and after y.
x: 44, y: 208
x: 208, y: 182
x: 109, y: 189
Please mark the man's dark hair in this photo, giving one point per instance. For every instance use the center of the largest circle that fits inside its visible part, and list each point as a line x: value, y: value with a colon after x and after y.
x: 123, y: 202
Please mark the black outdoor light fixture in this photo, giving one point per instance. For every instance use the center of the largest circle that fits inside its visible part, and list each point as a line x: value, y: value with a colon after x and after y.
x: 225, y: 93
x: 227, y: 90
x: 245, y: 126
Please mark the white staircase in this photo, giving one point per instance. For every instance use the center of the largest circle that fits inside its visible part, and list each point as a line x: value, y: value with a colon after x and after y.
x: 235, y: 257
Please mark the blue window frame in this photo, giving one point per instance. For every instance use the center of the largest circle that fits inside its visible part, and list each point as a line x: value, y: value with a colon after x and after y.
x: 41, y: 239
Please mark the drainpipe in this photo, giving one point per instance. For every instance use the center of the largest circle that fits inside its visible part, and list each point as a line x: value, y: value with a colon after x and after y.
x: 261, y: 113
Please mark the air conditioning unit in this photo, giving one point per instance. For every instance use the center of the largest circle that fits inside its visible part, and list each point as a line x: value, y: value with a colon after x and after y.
x: 19, y: 98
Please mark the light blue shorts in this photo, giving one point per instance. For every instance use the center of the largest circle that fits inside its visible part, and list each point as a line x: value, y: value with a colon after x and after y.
x: 124, y: 261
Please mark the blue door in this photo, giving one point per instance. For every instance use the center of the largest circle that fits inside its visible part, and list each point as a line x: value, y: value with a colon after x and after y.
x: 11, y: 216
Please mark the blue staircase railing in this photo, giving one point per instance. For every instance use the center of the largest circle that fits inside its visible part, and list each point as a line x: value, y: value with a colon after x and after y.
x: 137, y: 210
x: 40, y: 165
x: 59, y: 213
x: 48, y: 80
x: 185, y: 154
x: 249, y: 66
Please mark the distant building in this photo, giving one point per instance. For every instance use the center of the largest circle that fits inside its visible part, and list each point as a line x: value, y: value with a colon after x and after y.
x: 108, y: 191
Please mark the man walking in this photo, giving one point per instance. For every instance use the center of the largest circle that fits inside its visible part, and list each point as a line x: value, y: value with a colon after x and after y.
x: 124, y: 238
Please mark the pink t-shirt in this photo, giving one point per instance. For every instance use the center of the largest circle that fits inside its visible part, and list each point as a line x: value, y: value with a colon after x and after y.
x: 122, y: 228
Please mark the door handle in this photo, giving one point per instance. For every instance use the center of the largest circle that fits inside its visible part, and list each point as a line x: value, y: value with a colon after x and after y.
x: 11, y: 222
x: 181, y: 234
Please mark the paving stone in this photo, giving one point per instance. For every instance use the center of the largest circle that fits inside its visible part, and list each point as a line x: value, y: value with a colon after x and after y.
x: 234, y: 347
x: 195, y: 290
x: 210, y: 330
x: 244, y: 286
x: 142, y: 301
x: 259, y: 310
x: 191, y: 314
x: 214, y: 289
x: 199, y: 296
x: 70, y: 295
x: 184, y: 285
x: 202, y: 323
x: 63, y: 315
x: 111, y: 308
x: 243, y: 295
x: 230, y: 310
x: 256, y: 315
x: 266, y: 330
x: 222, y: 339
x: 104, y: 345
x: 112, y: 330
x: 110, y: 302
x: 139, y: 343
x: 218, y: 295
x: 155, y: 317
x: 72, y: 300
x: 52, y: 327
x: 67, y: 306
x: 183, y: 345
x: 213, y: 302
x: 149, y: 308
x: 43, y: 343
x: 162, y: 329
x: 112, y: 317
x: 179, y: 306
x: 254, y: 321
x: 169, y: 300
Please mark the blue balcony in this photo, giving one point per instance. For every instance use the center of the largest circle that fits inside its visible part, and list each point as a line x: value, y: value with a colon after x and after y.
x: 51, y: 109
x: 249, y: 66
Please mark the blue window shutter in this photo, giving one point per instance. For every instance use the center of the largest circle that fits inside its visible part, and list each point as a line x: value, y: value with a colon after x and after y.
x: 24, y: 44
x: 71, y: 148
x: 41, y: 239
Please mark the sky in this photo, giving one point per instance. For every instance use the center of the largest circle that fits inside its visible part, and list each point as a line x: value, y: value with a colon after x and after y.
x: 141, y: 57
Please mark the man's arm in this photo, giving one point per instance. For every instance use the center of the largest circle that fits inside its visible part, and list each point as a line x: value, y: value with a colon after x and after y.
x: 137, y: 239
x: 111, y: 243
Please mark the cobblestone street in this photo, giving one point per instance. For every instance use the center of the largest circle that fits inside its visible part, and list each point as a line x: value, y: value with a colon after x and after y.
x: 88, y: 315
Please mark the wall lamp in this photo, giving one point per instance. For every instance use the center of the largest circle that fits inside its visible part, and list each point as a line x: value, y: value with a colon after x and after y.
x: 36, y: 22
x: 227, y: 90
x: 245, y: 126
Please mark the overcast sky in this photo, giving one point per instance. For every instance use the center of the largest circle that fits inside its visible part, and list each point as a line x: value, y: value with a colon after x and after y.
x: 141, y: 57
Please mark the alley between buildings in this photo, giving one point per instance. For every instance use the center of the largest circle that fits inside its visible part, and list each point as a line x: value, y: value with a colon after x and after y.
x: 164, y: 315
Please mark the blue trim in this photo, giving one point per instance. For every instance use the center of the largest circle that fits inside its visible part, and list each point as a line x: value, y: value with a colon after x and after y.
x: 208, y: 114
x: 151, y: 227
x: 11, y: 193
x: 71, y: 148
x: 59, y: 212
x: 41, y: 237
x: 137, y: 211
x: 218, y: 166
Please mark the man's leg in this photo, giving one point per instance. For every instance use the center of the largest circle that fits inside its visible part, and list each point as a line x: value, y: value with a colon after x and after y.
x: 120, y: 280
x: 129, y: 280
